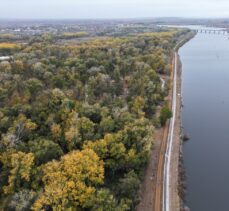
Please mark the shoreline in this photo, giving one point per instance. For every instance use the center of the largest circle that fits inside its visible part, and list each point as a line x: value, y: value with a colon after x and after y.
x: 177, y: 171
x: 176, y: 200
x: 181, y: 170
x: 152, y: 185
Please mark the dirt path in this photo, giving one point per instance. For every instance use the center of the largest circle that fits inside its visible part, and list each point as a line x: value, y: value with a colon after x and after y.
x: 149, y: 183
x: 152, y: 187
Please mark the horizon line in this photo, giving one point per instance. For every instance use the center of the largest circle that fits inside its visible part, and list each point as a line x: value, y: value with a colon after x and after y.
x: 117, y: 18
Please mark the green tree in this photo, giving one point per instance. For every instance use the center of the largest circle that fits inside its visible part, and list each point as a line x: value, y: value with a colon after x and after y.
x: 165, y: 114
x: 44, y: 150
x: 34, y: 85
x: 85, y: 128
x: 104, y: 201
x: 129, y: 185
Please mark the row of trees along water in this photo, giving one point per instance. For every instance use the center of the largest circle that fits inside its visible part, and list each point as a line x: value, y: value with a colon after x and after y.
x: 77, y: 120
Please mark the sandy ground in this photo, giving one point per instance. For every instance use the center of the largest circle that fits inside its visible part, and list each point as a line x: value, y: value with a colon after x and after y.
x: 148, y: 186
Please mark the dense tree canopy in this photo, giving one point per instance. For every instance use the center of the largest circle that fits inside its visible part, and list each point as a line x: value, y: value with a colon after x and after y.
x: 76, y: 120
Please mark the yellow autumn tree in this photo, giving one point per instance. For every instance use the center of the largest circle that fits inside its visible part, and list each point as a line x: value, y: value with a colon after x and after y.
x: 70, y: 136
x: 71, y: 181
x: 18, y: 66
x: 138, y: 105
x: 110, y: 149
x: 56, y: 131
x: 21, y: 165
x: 71, y: 131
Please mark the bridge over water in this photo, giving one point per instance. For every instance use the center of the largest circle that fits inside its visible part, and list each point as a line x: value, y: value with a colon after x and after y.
x: 212, y: 31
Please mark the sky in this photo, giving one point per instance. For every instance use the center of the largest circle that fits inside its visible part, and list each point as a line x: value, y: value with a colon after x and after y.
x: 90, y: 9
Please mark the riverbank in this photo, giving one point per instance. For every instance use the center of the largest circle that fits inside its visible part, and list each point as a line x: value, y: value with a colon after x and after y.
x: 152, y: 187
x: 175, y: 155
x: 176, y: 188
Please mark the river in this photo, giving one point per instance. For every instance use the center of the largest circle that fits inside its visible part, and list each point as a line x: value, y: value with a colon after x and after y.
x: 205, y: 117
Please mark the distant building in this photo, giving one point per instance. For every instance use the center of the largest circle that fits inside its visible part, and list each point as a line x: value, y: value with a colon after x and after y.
x: 6, y: 58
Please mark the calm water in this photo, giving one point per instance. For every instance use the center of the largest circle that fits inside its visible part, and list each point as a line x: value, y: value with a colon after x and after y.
x: 205, y: 61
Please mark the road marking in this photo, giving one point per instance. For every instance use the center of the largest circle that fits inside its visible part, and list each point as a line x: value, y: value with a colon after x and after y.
x: 167, y: 163
x: 162, y: 192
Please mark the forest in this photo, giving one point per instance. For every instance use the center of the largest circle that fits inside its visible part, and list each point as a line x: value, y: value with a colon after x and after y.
x: 77, y: 119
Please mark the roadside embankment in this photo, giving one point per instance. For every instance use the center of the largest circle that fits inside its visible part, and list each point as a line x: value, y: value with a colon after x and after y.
x: 177, y: 188
x: 151, y: 194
